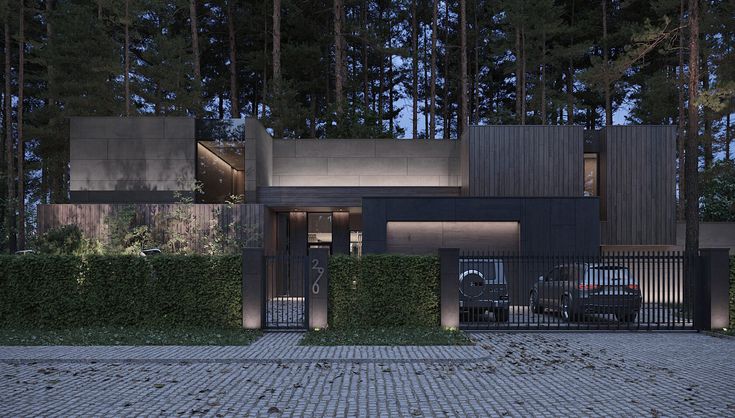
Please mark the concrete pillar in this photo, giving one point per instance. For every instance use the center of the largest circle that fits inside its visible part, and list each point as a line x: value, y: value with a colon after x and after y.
x: 449, y: 287
x: 253, y: 282
x: 318, y: 292
x: 713, y: 287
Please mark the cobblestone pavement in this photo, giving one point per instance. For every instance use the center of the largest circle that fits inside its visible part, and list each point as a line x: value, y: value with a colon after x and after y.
x: 515, y: 374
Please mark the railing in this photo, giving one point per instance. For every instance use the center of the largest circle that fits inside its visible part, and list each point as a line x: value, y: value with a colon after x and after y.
x: 616, y: 290
x: 286, y: 296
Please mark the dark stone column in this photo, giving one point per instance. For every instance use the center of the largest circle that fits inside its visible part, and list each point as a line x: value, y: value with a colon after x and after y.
x: 340, y: 233
x: 449, y: 287
x: 318, y: 292
x: 253, y: 280
x: 713, y: 287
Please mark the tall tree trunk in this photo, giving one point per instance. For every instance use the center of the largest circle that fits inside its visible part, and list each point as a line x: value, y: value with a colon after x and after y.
x: 475, y: 113
x: 543, y: 77
x: 390, y: 78
x: 447, y: 108
x: 606, y: 60
x: 415, y: 70
x: 681, y: 126
x: 195, y: 53
x: 523, y: 75
x: 338, y: 55
x: 728, y: 135
x: 519, y: 78
x: 707, y: 137
x: 365, y: 69
x: 127, y: 58
x: 265, y: 58
x: 21, y: 148
x: 463, y: 117
x: 10, y: 170
x: 276, y: 88
x: 432, y: 84
x: 426, y: 83
x: 312, y: 122
x: 570, y: 74
x: 232, y: 40
x: 691, y: 247
x: 276, y: 42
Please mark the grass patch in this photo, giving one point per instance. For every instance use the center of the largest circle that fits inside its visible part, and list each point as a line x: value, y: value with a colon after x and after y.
x: 115, y: 335
x: 386, y: 336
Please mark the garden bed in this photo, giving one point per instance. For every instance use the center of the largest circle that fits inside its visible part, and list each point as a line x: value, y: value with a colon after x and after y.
x: 117, y: 335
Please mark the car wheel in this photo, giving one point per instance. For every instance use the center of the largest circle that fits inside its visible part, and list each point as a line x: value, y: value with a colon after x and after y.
x: 626, y: 317
x: 533, y: 305
x: 565, y: 309
x: 501, y: 315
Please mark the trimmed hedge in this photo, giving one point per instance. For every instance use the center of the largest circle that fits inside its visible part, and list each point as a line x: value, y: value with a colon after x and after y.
x: 732, y: 292
x: 383, y: 291
x: 175, y: 290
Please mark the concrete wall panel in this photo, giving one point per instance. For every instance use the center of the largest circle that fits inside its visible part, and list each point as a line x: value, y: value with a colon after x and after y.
x: 150, y: 155
x: 88, y: 149
x: 150, y: 149
x: 367, y: 166
x: 179, y: 128
x: 300, y: 166
x: 365, y: 163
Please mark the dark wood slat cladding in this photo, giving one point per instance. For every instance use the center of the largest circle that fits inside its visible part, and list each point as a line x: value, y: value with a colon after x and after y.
x: 301, y: 197
x: 529, y: 161
x: 90, y: 218
x: 639, y: 191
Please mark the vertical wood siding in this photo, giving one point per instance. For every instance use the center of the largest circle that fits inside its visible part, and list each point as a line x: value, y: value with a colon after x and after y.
x: 640, y: 185
x: 526, y: 161
x: 90, y: 218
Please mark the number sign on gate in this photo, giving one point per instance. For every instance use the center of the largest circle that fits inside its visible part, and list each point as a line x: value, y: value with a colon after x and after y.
x: 319, y: 284
x: 319, y: 273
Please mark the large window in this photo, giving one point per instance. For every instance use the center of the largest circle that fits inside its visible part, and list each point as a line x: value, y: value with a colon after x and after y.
x: 320, y: 230
x: 590, y: 175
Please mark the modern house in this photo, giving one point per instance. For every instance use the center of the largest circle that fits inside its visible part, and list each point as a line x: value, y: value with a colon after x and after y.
x: 532, y: 189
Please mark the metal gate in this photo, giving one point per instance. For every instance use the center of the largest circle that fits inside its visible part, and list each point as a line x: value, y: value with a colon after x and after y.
x: 622, y: 290
x: 286, y: 296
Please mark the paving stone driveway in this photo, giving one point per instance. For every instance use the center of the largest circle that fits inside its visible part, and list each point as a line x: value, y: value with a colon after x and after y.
x: 541, y: 374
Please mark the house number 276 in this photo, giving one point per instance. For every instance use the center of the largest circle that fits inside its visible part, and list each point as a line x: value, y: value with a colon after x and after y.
x: 319, y: 273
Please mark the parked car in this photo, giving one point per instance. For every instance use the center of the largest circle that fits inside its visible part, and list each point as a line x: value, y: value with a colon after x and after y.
x: 147, y: 252
x: 483, y: 289
x: 582, y: 288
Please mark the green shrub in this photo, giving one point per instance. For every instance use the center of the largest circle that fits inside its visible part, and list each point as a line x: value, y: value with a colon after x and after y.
x: 732, y: 292
x: 40, y: 290
x: 196, y: 290
x: 383, y: 291
x: 63, y: 291
x: 65, y: 240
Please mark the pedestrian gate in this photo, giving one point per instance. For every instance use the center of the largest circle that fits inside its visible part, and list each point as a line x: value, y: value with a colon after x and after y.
x: 286, y: 294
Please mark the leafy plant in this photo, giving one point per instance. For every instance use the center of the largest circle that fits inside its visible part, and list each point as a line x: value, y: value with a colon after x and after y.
x: 120, y: 290
x: 124, y: 236
x: 732, y: 293
x: 384, y: 291
x: 65, y: 240
x: 718, y: 192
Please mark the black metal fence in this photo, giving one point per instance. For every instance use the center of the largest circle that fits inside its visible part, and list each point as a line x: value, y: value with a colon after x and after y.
x: 286, y: 295
x: 616, y: 290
